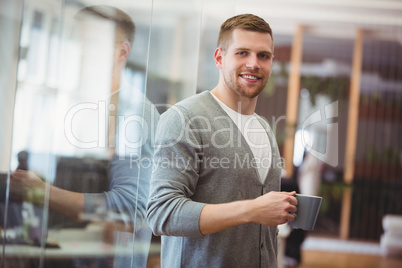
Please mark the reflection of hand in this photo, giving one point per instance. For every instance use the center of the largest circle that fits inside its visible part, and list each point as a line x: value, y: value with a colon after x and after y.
x: 274, y: 208
x: 26, y: 186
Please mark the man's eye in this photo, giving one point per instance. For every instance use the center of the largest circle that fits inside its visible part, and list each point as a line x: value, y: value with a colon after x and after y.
x: 265, y: 56
x: 241, y: 53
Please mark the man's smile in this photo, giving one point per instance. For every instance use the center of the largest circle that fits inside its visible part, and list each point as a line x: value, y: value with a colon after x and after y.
x: 249, y: 76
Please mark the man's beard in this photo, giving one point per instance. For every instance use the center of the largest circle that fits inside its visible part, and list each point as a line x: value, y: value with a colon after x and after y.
x: 237, y: 88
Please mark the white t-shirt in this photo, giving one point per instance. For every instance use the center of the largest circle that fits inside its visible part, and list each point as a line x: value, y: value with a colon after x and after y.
x: 256, y: 137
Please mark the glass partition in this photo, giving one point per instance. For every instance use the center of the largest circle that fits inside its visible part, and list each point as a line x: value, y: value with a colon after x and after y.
x: 78, y: 192
x: 10, y: 23
x: 175, y: 45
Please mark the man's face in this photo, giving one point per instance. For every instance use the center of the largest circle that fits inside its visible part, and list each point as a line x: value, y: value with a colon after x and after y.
x: 247, y: 62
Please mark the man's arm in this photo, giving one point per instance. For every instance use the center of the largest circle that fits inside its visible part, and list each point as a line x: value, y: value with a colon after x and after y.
x: 170, y: 210
x: 25, y: 184
x: 272, y: 208
x: 67, y: 203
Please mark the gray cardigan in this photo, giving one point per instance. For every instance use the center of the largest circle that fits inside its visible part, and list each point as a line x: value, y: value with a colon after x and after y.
x: 201, y: 157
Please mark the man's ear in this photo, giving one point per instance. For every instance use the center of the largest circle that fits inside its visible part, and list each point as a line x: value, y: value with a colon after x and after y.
x: 218, y: 58
x: 124, y: 51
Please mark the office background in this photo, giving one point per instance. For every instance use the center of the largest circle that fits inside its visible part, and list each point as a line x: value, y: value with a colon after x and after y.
x: 340, y: 58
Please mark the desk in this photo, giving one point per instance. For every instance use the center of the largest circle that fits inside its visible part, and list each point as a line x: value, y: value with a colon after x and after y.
x: 79, y: 243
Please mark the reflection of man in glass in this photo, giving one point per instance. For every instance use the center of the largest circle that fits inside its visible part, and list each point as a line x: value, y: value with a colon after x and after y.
x: 217, y: 201
x: 135, y: 118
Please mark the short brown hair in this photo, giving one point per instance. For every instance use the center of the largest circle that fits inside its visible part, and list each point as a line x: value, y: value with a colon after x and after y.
x: 122, y: 19
x: 247, y: 22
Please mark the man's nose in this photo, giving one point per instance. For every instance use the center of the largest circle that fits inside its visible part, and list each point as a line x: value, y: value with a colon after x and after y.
x: 252, y: 62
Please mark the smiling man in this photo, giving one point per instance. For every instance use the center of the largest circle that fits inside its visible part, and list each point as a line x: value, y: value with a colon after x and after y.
x: 217, y: 201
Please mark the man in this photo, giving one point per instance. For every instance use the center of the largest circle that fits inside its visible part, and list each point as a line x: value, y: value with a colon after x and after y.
x: 214, y: 193
x: 130, y: 141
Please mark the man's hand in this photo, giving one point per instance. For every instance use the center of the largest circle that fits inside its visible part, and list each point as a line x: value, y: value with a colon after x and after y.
x: 273, y: 208
x: 26, y: 185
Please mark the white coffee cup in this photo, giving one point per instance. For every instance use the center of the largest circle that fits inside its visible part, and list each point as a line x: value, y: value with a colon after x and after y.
x: 307, y: 211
